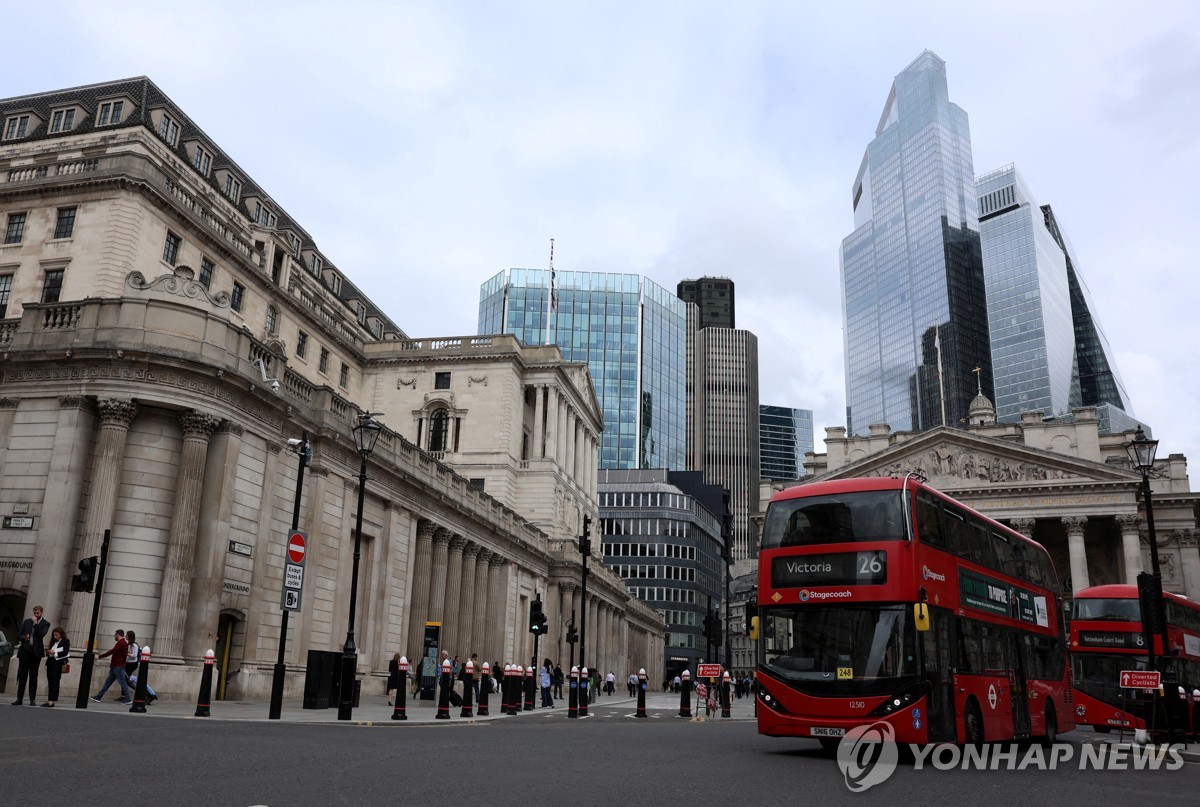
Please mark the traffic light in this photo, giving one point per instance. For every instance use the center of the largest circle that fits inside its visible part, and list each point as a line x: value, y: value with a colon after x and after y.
x: 537, y: 620
x: 707, y: 631
x: 716, y: 631
x: 86, y: 579
x: 572, y: 635
x: 585, y: 543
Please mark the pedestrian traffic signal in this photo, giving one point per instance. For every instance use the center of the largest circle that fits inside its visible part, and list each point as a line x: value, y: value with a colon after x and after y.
x: 585, y: 543
x: 537, y: 620
x: 572, y: 635
x: 86, y: 579
x: 716, y: 634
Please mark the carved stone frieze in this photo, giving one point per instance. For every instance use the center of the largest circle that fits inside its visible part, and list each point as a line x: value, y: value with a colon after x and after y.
x: 962, y: 464
x: 181, y: 283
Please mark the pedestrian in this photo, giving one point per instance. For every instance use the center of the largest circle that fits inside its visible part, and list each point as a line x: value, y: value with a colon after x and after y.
x: 151, y: 695
x: 632, y: 683
x: 610, y: 683
x: 30, y: 653
x: 393, y: 681
x: 558, y: 681
x: 546, y: 680
x: 116, y: 668
x: 676, y: 683
x: 57, y: 657
x: 476, y: 676
x: 133, y: 653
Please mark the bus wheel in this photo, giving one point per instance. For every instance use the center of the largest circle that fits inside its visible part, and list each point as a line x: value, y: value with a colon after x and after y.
x: 1051, y: 726
x: 829, y: 744
x: 973, y: 724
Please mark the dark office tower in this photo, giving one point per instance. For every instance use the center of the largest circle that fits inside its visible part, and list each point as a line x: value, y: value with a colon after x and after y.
x: 913, y: 305
x: 785, y: 435
x: 714, y: 297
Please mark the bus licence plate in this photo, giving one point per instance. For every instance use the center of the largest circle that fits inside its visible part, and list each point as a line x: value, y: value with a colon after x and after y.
x: 824, y: 731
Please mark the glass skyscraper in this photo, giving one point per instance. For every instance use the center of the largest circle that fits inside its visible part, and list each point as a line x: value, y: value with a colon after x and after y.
x: 630, y: 331
x: 913, y: 301
x: 785, y: 436
x: 1048, y: 350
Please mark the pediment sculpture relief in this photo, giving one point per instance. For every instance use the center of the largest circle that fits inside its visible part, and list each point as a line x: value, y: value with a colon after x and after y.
x: 969, y: 464
x: 181, y: 283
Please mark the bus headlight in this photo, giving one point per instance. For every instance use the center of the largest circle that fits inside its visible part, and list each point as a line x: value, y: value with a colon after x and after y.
x: 901, y: 699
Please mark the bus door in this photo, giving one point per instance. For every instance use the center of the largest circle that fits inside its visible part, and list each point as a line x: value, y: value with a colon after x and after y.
x: 938, y: 677
x: 1018, y: 685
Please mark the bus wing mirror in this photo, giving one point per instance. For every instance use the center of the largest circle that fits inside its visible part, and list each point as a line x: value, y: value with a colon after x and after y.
x: 921, y: 616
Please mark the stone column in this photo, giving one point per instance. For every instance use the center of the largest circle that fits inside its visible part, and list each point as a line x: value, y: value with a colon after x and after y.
x: 437, y: 586
x: 539, y: 415
x: 479, y: 614
x: 497, y: 605
x: 418, y: 601
x: 552, y: 423
x: 1078, y: 552
x: 569, y: 439
x: 1131, y: 544
x: 53, y: 561
x: 561, y: 431
x: 1189, y: 551
x: 580, y: 457
x: 116, y: 416
x: 451, y: 616
x: 181, y: 544
x: 466, y: 603
x: 216, y: 503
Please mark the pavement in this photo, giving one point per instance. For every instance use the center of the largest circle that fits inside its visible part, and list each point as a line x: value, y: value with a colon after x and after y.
x: 1188, y: 752
x: 373, y: 710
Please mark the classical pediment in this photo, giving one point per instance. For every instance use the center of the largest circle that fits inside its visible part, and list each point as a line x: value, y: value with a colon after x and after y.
x: 956, y: 459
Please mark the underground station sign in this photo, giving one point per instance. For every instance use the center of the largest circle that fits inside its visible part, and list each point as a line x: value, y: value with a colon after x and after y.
x: 293, y: 570
x: 1141, y: 679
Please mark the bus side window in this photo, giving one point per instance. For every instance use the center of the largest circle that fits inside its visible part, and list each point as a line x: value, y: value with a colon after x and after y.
x: 968, y: 646
x: 958, y: 533
x: 929, y: 523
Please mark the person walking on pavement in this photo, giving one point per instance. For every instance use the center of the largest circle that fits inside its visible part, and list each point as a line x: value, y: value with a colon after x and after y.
x: 116, y: 669
x: 30, y: 653
x: 133, y: 653
x: 546, y: 680
x: 558, y: 682
x: 610, y: 683
x: 56, y: 659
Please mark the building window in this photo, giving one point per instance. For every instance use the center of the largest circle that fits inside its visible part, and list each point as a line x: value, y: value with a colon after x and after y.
x: 323, y: 362
x: 361, y: 313
x: 301, y: 344
x: 16, y: 228
x: 344, y: 375
x: 168, y: 130
x: 171, y: 248
x: 65, y: 226
x: 335, y: 283
x: 233, y: 189
x: 378, y: 329
x: 17, y: 126
x: 315, y: 265
x: 202, y: 160
x: 441, y: 381
x: 264, y: 216
x: 206, y: 272
x: 62, y: 121
x: 272, y: 319
x: 439, y: 428
x: 5, y: 293
x: 52, y: 288
x: 110, y: 113
x: 235, y: 299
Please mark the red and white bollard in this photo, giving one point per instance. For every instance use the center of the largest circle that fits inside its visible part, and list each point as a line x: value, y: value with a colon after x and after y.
x: 573, y: 693
x: 468, y: 682
x: 447, y: 681
x: 685, y: 698
x: 485, y: 688
x: 399, y: 713
x: 529, y: 685
x: 585, y: 683
x: 725, y: 693
x: 202, y: 701
x: 139, y: 692
x: 641, y: 694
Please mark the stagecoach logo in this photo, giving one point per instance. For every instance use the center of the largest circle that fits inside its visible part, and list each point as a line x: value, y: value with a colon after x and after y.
x: 930, y: 574
x: 867, y: 755
x: 806, y: 595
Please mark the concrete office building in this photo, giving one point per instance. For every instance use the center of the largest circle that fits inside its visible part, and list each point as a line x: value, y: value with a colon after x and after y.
x: 713, y: 297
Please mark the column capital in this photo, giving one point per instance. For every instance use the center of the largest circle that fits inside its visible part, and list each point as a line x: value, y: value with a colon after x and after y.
x: 1074, y: 523
x: 9, y: 402
x: 484, y: 555
x: 116, y: 412
x: 198, y: 424
x: 425, y: 529
x: 1024, y: 526
x: 496, y: 560
x: 472, y: 549
x: 64, y: 402
x: 441, y: 535
x: 234, y: 429
x: 457, y: 542
x: 1130, y: 522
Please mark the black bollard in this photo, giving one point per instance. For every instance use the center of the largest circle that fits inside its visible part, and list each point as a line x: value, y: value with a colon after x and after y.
x: 573, y: 693
x: 685, y: 698
x: 583, y: 691
x: 399, y: 713
x: 210, y: 660
x: 641, y: 692
x: 529, y: 685
x: 468, y: 690
x: 139, y: 692
x: 447, y: 681
x: 485, y: 686
x: 725, y: 696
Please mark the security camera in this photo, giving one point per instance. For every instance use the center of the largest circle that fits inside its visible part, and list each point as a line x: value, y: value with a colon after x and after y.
x: 294, y: 444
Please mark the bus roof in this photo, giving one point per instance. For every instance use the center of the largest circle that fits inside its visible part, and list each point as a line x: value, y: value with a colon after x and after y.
x: 1128, y: 591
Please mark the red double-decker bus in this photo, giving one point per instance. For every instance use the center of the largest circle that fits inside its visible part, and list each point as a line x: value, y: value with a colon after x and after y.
x: 884, y: 599
x: 1107, y: 639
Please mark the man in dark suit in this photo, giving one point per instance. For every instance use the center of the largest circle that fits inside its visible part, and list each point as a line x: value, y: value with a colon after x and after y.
x: 30, y: 652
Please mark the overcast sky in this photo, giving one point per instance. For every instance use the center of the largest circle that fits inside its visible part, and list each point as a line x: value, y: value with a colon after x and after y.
x: 427, y: 146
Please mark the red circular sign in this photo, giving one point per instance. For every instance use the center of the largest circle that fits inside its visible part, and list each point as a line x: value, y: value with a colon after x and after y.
x: 296, y: 548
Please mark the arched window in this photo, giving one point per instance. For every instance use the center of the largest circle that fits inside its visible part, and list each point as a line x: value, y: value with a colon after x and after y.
x: 272, y: 319
x: 439, y: 430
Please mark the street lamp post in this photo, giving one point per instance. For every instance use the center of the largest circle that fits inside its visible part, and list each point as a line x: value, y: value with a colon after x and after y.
x: 1141, y: 452
x: 304, y: 451
x: 366, y: 433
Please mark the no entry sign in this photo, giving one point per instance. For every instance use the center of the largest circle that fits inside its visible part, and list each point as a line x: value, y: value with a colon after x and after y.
x: 293, y: 571
x: 296, y: 547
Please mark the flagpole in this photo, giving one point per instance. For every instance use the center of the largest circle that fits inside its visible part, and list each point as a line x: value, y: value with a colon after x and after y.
x: 550, y: 296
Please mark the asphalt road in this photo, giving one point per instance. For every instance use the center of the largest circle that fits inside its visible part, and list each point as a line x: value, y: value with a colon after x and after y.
x: 69, y: 757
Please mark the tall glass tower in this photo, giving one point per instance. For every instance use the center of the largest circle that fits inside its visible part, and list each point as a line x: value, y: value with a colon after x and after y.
x: 786, y: 435
x: 632, y: 334
x: 913, y: 306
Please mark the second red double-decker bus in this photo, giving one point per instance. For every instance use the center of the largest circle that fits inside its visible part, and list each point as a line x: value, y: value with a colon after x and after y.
x: 882, y: 599
x: 1107, y: 639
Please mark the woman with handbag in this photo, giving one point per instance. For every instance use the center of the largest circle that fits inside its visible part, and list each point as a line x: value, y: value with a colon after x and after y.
x: 58, y: 657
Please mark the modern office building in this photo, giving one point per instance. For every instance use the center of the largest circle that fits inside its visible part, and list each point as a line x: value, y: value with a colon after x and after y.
x: 167, y: 328
x: 1048, y: 350
x: 630, y: 331
x: 714, y: 297
x: 785, y: 436
x: 666, y: 545
x: 913, y: 303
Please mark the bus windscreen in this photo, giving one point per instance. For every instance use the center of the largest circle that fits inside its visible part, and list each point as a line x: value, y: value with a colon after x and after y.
x: 837, y: 518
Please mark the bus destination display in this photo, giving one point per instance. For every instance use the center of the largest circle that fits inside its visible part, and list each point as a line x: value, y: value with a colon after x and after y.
x: 836, y: 569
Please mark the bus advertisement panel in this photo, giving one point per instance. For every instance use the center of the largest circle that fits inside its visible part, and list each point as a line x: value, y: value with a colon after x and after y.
x: 883, y: 599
